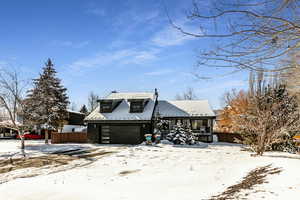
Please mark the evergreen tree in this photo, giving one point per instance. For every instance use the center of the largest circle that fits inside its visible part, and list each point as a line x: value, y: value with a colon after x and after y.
x: 47, y: 102
x: 84, y: 109
x: 181, y: 135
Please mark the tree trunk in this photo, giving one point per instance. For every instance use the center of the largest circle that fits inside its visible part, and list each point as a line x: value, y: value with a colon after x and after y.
x: 261, y: 144
x: 22, y: 143
x: 21, y: 133
x: 22, y: 139
x: 46, y: 136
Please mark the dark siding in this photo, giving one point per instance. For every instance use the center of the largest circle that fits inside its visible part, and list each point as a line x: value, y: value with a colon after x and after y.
x: 93, y: 133
x: 76, y: 119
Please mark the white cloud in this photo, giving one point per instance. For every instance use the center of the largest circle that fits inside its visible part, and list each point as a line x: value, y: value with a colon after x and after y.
x: 159, y: 72
x: 67, y: 43
x: 120, y: 57
x: 169, y: 36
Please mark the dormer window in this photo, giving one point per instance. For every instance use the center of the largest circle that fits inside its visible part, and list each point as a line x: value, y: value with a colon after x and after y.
x: 137, y: 105
x: 105, y: 107
x: 108, y: 105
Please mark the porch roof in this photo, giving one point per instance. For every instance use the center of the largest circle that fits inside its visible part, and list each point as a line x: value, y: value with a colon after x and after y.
x: 185, y: 108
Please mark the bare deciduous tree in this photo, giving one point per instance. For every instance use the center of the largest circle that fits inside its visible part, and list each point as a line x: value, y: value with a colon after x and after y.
x: 247, y: 35
x: 92, y: 101
x: 189, y: 94
x: 11, y: 99
x: 73, y: 106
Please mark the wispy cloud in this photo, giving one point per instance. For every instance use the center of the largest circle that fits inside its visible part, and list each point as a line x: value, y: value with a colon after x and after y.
x: 119, y: 57
x: 95, y: 11
x: 3, y: 63
x: 170, y: 36
x: 159, y: 72
x: 226, y: 85
x: 71, y: 44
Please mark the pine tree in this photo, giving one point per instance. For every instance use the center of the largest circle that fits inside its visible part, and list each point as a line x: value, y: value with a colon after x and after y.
x: 47, y: 102
x: 84, y: 109
x: 181, y: 135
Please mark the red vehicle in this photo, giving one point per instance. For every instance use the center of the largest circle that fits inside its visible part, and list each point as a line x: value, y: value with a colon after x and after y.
x: 31, y: 136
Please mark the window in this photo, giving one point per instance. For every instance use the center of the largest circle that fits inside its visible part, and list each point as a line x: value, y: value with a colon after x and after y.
x: 196, y: 124
x: 105, y: 107
x: 136, y: 107
x: 200, y: 124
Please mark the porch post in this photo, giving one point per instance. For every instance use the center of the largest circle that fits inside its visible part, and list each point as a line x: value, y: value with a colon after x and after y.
x: 211, y: 125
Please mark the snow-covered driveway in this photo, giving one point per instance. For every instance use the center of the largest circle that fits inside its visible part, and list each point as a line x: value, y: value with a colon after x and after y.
x: 162, y: 172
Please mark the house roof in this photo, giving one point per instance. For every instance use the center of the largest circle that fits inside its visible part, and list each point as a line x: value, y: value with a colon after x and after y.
x: 73, y: 111
x: 121, y: 112
x: 131, y: 95
x: 185, y: 108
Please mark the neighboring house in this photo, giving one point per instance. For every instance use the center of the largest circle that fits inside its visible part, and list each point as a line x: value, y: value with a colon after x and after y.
x: 194, y: 114
x: 74, y: 122
x: 124, y: 118
x: 7, y: 128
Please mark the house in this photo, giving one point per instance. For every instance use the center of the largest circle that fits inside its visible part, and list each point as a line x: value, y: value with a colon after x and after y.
x: 74, y: 122
x: 194, y: 114
x: 124, y: 118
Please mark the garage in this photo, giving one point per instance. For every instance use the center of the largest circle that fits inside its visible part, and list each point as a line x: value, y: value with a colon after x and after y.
x: 125, y: 134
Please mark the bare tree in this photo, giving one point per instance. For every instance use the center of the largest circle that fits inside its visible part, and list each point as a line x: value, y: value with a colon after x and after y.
x: 73, y: 106
x: 189, y: 94
x: 246, y: 35
x: 291, y: 76
x: 11, y: 99
x: 92, y: 101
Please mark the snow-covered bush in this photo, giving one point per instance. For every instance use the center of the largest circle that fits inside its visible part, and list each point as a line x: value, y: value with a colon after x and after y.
x: 285, y: 143
x: 181, y: 135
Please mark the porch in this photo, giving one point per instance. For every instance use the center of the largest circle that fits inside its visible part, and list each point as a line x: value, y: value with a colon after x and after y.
x: 201, y: 127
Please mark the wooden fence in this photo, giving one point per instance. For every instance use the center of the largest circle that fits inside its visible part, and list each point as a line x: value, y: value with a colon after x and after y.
x: 228, y: 137
x: 75, y: 137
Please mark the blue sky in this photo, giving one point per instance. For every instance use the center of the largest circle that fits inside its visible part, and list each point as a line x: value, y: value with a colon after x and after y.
x: 106, y: 45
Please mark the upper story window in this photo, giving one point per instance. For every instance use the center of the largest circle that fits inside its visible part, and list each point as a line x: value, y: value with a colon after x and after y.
x: 108, y: 105
x: 136, y: 107
x: 105, y: 107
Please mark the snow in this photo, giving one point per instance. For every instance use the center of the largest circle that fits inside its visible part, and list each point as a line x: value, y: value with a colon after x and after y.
x: 131, y: 95
x: 121, y: 112
x: 73, y: 128
x: 158, y: 172
x: 185, y: 108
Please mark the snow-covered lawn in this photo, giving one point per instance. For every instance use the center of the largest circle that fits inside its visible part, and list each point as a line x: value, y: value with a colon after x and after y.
x: 150, y: 172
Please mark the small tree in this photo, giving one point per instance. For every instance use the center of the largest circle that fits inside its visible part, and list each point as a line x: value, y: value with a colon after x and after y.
x: 11, y: 94
x: 83, y: 109
x: 236, y: 104
x: 47, y: 102
x: 271, y: 113
x: 181, y: 135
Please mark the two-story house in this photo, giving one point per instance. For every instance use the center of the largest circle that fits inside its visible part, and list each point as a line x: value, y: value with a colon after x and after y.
x: 124, y: 118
